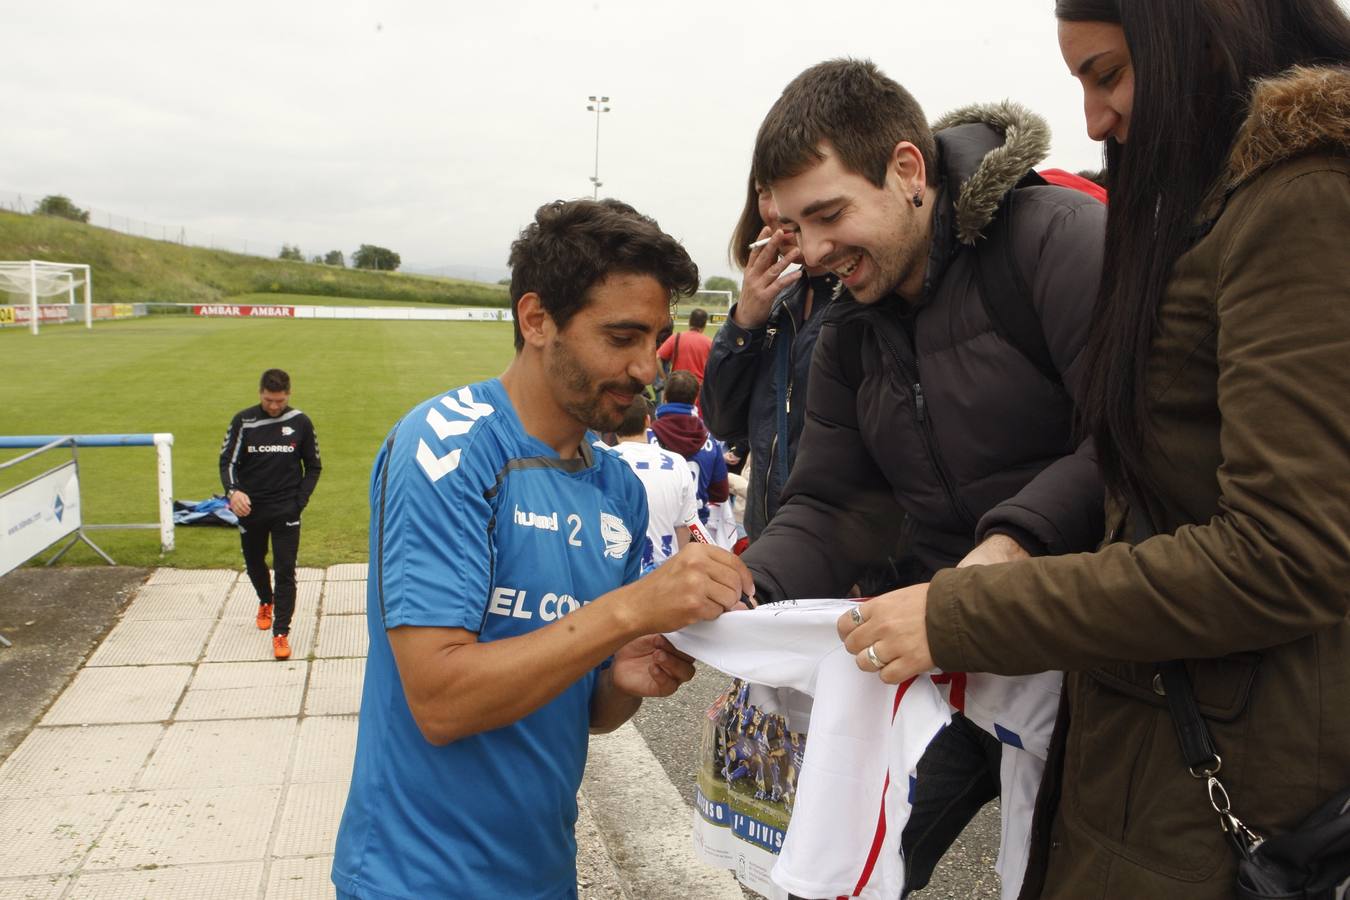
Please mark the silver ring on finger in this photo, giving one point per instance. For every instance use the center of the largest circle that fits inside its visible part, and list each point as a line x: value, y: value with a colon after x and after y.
x: 856, y: 615
x: 872, y: 657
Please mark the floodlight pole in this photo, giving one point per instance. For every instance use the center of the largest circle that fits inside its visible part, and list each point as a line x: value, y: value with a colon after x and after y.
x: 598, y: 107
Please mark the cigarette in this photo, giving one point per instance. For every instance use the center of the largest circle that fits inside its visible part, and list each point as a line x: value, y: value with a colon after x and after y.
x: 755, y: 245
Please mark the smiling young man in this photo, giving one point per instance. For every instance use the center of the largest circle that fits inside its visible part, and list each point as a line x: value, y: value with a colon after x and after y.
x: 927, y: 410
x: 504, y: 610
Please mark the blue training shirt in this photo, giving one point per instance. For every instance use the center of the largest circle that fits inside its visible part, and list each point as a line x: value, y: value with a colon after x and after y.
x: 477, y: 525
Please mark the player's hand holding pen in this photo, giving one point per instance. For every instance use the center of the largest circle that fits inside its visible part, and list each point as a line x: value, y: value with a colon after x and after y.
x: 700, y: 582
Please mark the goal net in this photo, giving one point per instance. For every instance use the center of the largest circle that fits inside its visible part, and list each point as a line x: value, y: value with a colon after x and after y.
x: 715, y: 303
x: 36, y: 291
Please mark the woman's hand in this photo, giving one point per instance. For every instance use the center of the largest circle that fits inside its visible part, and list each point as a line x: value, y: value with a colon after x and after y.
x: 893, y: 627
x: 763, y: 278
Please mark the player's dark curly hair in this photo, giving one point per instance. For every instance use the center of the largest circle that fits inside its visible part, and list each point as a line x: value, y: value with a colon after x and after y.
x: 573, y: 244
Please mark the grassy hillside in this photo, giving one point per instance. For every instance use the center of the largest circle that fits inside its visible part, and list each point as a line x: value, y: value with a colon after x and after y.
x: 133, y: 269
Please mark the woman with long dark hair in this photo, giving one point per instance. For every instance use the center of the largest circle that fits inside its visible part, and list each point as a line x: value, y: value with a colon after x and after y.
x: 1218, y: 401
x: 761, y: 357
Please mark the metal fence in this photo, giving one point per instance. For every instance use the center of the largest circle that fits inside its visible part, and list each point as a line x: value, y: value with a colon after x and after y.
x: 178, y: 234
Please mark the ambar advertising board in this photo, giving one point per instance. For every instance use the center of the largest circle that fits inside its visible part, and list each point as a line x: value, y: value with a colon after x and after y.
x: 37, y: 514
x: 229, y: 310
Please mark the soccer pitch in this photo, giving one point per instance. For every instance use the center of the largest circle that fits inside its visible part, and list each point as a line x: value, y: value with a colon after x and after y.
x: 188, y: 376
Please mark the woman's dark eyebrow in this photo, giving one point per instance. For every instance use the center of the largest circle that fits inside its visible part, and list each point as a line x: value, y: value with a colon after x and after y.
x: 1086, y: 65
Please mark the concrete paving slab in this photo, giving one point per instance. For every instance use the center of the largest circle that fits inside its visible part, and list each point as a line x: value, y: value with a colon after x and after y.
x: 327, y: 747
x: 67, y: 761
x: 647, y: 827
x: 301, y: 879
x: 309, y: 819
x: 342, y: 636
x: 50, y: 835
x: 239, y: 640
x: 124, y: 694
x: 245, y: 690
x: 193, y: 576
x: 45, y: 887
x: 153, y: 643
x: 243, y: 600
x: 177, y: 601
x: 347, y: 572
x: 229, y: 881
x: 344, y: 598
x: 180, y: 827
x: 221, y: 754
x: 334, y: 687
x: 309, y: 573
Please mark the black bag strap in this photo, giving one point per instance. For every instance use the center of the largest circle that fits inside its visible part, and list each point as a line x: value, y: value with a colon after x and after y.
x: 1197, y: 745
x: 1006, y: 295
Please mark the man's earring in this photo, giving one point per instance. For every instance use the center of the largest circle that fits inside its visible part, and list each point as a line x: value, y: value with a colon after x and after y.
x: 918, y: 198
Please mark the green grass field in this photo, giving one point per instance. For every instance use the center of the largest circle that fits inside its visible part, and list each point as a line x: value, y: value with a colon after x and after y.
x: 189, y: 376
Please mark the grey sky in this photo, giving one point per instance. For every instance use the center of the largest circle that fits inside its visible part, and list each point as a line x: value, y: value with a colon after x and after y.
x: 436, y: 129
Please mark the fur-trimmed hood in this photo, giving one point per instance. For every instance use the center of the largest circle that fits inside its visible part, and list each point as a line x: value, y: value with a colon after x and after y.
x: 1299, y: 111
x: 986, y: 149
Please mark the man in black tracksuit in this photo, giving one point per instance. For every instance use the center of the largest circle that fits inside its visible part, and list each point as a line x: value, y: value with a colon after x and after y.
x: 269, y: 465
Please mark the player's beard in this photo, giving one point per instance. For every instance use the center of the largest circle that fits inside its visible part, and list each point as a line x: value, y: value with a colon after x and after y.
x: 582, y: 397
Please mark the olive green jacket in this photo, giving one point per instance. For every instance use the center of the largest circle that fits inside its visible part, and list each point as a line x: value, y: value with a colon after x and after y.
x: 1249, y: 578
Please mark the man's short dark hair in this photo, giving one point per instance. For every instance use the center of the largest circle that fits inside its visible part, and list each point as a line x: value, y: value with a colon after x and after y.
x: 635, y: 420
x: 274, y: 380
x: 698, y: 318
x: 681, y: 387
x: 574, y: 244
x: 851, y: 105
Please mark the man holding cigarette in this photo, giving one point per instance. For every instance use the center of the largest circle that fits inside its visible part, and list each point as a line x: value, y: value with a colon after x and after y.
x: 940, y: 398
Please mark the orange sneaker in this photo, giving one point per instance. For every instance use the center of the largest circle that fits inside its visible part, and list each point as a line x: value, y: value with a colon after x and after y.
x: 281, y: 646
x: 264, y: 616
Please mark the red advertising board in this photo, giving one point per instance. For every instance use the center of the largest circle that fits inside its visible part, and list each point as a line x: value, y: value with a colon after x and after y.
x: 231, y: 310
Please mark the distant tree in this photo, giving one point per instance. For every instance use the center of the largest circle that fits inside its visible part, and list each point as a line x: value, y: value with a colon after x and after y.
x: 60, y: 205
x: 506, y: 281
x: 718, y: 283
x: 289, y: 252
x: 369, y: 256
x: 316, y: 259
x: 334, y: 258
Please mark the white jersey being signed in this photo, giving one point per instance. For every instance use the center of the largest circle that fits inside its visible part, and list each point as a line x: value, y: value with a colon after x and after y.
x: 865, y: 741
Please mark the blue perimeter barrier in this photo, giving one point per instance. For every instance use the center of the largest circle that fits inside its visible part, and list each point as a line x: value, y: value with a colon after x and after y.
x: 161, y: 441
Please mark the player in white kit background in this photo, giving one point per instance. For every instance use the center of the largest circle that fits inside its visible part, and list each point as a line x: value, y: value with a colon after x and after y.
x: 672, y: 500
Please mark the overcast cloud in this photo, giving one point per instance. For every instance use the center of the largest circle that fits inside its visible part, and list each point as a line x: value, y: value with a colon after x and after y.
x: 436, y: 129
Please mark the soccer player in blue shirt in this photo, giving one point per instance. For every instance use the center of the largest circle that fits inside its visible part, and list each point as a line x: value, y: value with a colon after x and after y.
x: 505, y: 615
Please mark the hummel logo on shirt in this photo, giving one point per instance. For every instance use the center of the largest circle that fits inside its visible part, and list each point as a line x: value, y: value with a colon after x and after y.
x: 544, y: 521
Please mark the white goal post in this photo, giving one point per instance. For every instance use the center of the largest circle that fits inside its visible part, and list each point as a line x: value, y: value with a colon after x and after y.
x: 35, y: 278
